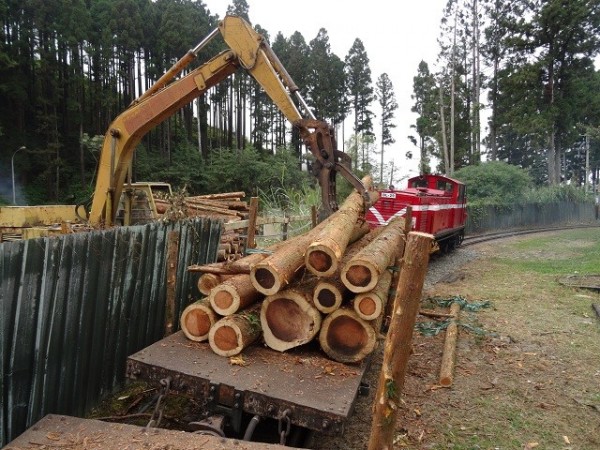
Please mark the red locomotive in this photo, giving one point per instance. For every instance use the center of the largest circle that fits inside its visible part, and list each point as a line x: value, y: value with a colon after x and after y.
x: 438, y: 207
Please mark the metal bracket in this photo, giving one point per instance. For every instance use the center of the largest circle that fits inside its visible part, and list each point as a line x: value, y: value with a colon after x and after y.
x: 228, y: 401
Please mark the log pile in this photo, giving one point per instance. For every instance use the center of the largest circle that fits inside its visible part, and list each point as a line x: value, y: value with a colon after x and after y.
x: 227, y: 206
x: 295, y: 293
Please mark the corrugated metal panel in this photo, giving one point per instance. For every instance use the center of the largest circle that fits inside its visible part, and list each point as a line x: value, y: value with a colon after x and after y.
x: 75, y: 306
x: 490, y: 218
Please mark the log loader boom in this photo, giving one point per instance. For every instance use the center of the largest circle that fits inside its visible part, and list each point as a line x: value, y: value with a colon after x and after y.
x: 247, y: 50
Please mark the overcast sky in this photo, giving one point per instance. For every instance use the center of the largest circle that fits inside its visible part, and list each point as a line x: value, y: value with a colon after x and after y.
x: 396, y: 34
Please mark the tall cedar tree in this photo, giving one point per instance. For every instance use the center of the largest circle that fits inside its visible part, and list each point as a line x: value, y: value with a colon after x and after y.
x: 387, y: 102
x: 360, y: 91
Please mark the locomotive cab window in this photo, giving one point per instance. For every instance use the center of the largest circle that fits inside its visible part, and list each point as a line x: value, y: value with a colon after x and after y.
x: 421, y: 182
x: 445, y: 186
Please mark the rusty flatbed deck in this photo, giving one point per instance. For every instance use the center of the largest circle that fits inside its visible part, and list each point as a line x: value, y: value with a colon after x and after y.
x: 319, y: 393
x: 55, y: 431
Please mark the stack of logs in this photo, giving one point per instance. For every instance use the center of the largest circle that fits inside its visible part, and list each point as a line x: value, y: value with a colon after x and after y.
x: 227, y: 206
x: 331, y: 284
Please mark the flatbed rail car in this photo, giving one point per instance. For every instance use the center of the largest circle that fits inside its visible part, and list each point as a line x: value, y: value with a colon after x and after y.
x: 438, y: 203
x: 301, y: 385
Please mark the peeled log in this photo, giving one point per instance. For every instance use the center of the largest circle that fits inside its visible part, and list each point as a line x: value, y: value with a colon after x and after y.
x: 325, y: 252
x: 347, y: 338
x: 232, y: 334
x: 289, y: 319
x: 370, y: 305
x: 361, y: 273
x: 449, y: 354
x: 233, y: 294
x: 197, y: 319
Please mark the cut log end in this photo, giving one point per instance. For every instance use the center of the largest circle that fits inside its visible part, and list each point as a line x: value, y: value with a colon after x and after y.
x: 265, y: 281
x: 224, y: 299
x: 359, y: 278
x: 327, y: 297
x: 347, y: 338
x: 197, y: 324
x: 320, y: 262
x: 367, y: 307
x: 286, y: 320
x: 197, y: 319
x: 225, y: 339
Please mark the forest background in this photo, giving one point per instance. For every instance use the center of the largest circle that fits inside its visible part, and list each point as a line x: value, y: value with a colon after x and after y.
x: 68, y: 68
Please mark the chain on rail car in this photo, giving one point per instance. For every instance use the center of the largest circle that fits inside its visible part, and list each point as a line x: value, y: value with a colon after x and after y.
x: 438, y: 203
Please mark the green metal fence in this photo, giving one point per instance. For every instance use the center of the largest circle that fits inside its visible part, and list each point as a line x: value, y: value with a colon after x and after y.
x: 495, y: 218
x: 74, y: 307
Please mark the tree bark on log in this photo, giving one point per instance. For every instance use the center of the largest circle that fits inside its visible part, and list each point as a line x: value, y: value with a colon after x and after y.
x: 361, y: 273
x: 232, y: 334
x: 449, y: 354
x: 197, y: 319
x: 289, y: 319
x: 398, y: 343
x: 275, y: 272
x: 347, y: 338
x: 371, y: 305
x: 325, y: 252
x: 233, y: 294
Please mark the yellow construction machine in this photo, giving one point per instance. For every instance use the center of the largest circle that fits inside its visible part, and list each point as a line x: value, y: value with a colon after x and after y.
x: 247, y: 50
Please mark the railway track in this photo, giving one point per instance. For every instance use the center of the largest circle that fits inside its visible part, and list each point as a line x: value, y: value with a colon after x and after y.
x: 478, y: 239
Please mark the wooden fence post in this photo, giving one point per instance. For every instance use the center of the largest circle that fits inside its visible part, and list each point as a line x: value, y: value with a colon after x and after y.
x: 251, y: 241
x: 399, y: 340
x: 172, y: 256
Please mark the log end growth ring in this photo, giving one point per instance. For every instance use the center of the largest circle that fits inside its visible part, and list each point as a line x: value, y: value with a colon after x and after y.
x: 345, y: 337
x: 225, y: 340
x: 265, y: 280
x: 327, y: 298
x: 321, y: 261
x: 196, y: 324
x: 367, y: 306
x: 359, y: 277
x: 224, y: 299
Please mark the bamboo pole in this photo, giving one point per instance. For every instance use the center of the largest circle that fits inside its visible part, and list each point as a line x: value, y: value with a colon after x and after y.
x: 197, y: 319
x: 398, y: 343
x: 449, y: 354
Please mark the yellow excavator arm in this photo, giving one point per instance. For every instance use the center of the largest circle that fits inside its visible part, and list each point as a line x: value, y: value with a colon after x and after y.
x: 248, y: 50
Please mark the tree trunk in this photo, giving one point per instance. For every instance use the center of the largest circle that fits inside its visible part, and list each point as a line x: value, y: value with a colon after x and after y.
x: 362, y: 272
x: 371, y: 305
x: 347, y: 338
x: 289, y: 319
x: 233, y: 294
x: 325, y: 252
x: 197, y: 319
x: 232, y: 334
x: 276, y: 271
x: 449, y: 354
x: 398, y: 343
